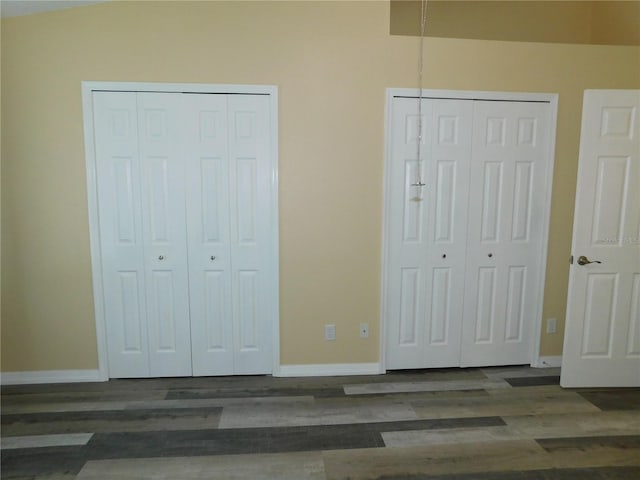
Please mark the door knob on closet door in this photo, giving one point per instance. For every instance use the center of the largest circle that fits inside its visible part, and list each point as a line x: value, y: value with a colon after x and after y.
x: 213, y: 257
x: 582, y: 260
x: 161, y: 257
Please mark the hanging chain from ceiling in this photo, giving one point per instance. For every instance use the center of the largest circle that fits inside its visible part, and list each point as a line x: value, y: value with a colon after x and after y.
x: 423, y: 21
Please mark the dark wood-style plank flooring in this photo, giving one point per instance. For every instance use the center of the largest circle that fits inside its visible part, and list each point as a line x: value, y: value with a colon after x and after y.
x: 507, y: 423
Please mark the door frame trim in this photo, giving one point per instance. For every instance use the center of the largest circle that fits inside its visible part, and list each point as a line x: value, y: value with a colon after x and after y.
x: 88, y: 87
x: 552, y: 100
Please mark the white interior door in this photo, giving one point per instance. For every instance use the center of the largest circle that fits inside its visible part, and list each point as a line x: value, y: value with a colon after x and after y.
x: 165, y: 238
x: 427, y: 231
x: 230, y: 225
x: 251, y: 183
x: 464, y: 252
x: 186, y: 203
x: 602, y: 333
x: 505, y: 228
x: 115, y: 122
x: 207, y: 158
x: 142, y: 208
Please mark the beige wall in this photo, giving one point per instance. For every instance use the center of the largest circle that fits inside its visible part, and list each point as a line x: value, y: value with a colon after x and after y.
x: 609, y: 22
x: 332, y: 62
x: 615, y: 23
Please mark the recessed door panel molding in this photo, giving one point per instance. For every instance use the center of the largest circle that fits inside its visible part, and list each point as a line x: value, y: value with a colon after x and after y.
x: 448, y: 129
x: 445, y: 201
x: 485, y: 305
x: 160, y: 200
x: 162, y: 310
x: 516, y: 305
x: 182, y: 183
x: 412, y: 215
x: 611, y: 186
x: 440, y: 307
x: 212, y: 178
x: 216, y: 319
x: 412, y: 128
x: 602, y: 342
x: 633, y: 343
x: 527, y: 131
x: 409, y: 306
x: 491, y: 202
x: 246, y: 188
x: 522, y: 198
x: 618, y: 122
x: 247, y: 305
x: 128, y: 304
x: 495, y: 131
x: 602, y: 290
x: 470, y: 218
x: 123, y: 196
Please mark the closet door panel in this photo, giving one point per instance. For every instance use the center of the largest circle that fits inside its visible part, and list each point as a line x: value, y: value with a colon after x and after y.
x: 427, y: 232
x: 407, y: 233
x: 207, y: 162
x: 163, y: 230
x: 505, y: 227
x: 251, y: 184
x: 447, y: 164
x: 121, y: 239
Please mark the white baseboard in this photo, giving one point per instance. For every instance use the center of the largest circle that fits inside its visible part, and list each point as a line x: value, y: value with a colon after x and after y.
x: 329, y: 370
x: 50, y: 376
x: 548, y: 362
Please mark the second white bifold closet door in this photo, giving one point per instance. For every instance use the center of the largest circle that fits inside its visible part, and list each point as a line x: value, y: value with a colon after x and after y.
x: 464, y: 249
x: 184, y: 206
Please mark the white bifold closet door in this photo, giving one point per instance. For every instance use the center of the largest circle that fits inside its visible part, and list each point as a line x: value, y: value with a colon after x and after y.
x: 184, y: 214
x: 505, y: 231
x: 427, y: 228
x: 463, y: 250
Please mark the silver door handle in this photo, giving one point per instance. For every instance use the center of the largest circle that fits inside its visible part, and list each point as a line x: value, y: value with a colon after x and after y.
x: 582, y: 260
x: 161, y: 257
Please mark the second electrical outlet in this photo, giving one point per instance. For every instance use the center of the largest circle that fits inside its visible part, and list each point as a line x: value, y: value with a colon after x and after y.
x: 364, y: 330
x: 330, y: 332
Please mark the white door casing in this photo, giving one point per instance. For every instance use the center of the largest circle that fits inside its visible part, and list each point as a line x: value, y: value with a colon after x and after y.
x: 602, y: 332
x: 428, y: 313
x: 176, y: 193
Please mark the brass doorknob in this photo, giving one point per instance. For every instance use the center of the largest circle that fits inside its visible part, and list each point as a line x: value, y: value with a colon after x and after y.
x: 582, y: 260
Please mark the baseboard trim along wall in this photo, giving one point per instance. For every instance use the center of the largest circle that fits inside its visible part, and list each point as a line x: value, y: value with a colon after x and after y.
x: 50, y: 376
x: 548, y: 362
x: 318, y: 370
x: 329, y: 370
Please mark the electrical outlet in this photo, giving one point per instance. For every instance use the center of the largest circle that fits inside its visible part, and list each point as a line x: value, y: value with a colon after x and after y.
x: 552, y: 325
x: 329, y: 332
x: 364, y: 330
